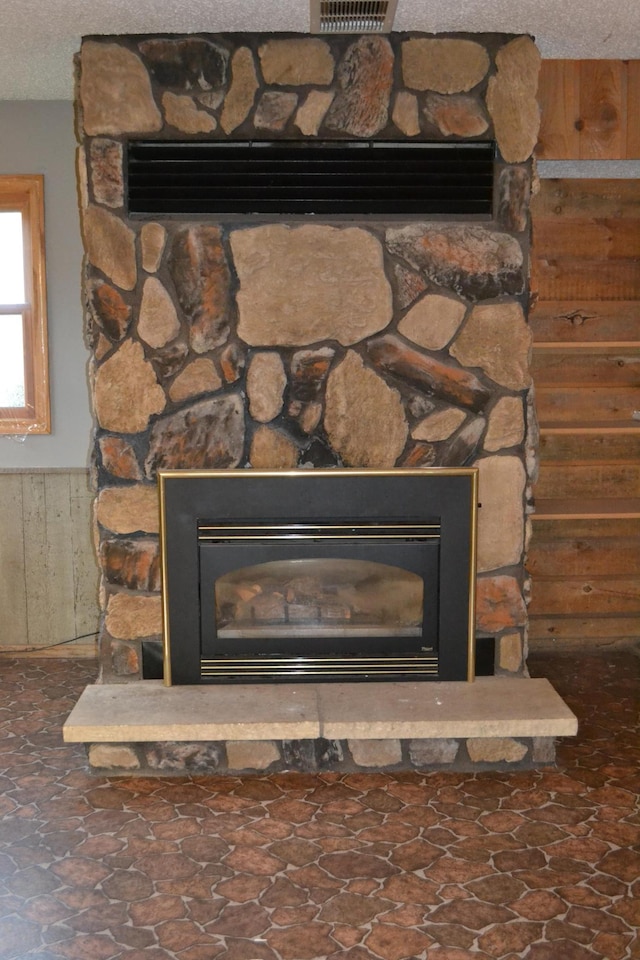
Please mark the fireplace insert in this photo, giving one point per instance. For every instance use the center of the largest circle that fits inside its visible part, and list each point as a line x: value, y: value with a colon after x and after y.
x: 318, y: 575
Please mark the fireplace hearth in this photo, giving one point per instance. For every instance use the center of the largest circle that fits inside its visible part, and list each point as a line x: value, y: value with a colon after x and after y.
x: 320, y: 575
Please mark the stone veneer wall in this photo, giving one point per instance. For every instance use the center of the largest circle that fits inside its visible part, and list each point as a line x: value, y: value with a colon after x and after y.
x: 280, y: 344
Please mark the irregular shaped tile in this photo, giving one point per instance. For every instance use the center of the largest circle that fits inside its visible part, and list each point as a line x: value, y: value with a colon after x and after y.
x: 244, y: 84
x: 405, y: 113
x: 119, y: 458
x: 266, y: 381
x: 439, y: 425
x: 126, y: 391
x: 506, y: 424
x: 458, y: 116
x: 272, y: 450
x: 134, y: 564
x: 501, y: 520
x: 133, y: 617
x: 106, y: 172
x: 158, y: 322
x: 206, y: 435
x: 153, y: 237
x: 201, y: 276
x: 296, y: 62
x: 199, y: 376
x: 110, y: 246
x: 312, y: 112
x: 182, y: 113
x: 110, y: 310
x: 274, y: 109
x: 497, y: 338
x: 189, y: 63
x: 433, y: 321
x: 129, y: 509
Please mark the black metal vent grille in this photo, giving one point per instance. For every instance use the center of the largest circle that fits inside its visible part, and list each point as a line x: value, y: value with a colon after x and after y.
x: 310, y: 177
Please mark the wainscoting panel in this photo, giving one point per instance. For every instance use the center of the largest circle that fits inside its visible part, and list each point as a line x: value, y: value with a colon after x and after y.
x: 48, y: 572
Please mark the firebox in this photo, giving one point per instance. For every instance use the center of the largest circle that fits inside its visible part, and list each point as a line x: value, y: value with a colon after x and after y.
x: 318, y: 575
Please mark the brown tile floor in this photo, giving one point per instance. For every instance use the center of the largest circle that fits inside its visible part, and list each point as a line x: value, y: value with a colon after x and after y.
x: 539, y: 865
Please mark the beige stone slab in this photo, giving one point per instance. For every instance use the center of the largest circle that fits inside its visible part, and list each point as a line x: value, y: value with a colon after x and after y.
x: 490, y: 707
x: 147, y: 710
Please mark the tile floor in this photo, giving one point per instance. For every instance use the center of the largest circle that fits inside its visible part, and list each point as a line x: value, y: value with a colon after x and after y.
x: 541, y: 865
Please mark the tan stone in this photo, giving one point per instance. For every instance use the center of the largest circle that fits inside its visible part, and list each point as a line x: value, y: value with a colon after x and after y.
x: 110, y: 246
x: 506, y: 424
x: 153, y: 237
x: 433, y: 321
x: 543, y: 750
x: 106, y: 756
x: 511, y: 99
x: 300, y: 285
x: 129, y: 509
x: 439, y: 426
x: 182, y: 113
x: 296, y: 62
x: 312, y: 112
x: 242, y: 91
x: 251, y: 754
x: 82, y: 178
x: 106, y: 172
x: 310, y: 417
x: 425, y: 753
x: 495, y: 749
x: 200, y: 376
x: 266, y: 380
x: 131, y: 617
x: 271, y: 450
x: 497, y: 338
x: 158, y: 322
x: 115, y: 91
x: 510, y: 652
x: 459, y: 116
x: 126, y: 392
x: 405, y: 114
x: 375, y: 753
x: 445, y: 66
x: 364, y: 416
x: 501, y: 519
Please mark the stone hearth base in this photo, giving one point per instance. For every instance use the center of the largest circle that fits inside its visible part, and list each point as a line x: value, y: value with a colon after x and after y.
x: 494, y: 723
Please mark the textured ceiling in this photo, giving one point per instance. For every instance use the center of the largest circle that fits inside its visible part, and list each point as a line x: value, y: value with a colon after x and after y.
x: 38, y: 38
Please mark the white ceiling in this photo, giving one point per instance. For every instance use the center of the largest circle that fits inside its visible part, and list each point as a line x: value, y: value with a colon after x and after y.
x: 38, y: 38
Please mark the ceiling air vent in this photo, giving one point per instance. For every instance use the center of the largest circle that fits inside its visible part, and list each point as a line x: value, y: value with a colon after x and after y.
x: 325, y: 177
x: 352, y: 16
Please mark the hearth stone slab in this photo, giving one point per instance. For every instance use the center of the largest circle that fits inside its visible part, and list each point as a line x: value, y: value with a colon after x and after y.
x: 148, y: 711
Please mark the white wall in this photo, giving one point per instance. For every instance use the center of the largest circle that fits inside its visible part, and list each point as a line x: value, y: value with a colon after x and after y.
x: 38, y: 137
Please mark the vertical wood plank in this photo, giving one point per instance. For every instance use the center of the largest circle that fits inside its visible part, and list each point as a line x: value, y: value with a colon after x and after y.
x: 13, y: 587
x: 633, y: 110
x: 559, y: 99
x: 603, y: 110
x: 85, y: 568
x: 48, y: 556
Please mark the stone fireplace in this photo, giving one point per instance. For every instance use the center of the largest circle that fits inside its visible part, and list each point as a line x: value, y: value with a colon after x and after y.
x: 307, y: 342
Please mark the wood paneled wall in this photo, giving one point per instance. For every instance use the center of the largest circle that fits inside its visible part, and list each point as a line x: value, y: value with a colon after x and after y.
x: 48, y: 572
x: 590, y: 110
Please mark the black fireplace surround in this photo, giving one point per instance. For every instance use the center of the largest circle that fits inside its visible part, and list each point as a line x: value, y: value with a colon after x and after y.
x: 318, y: 575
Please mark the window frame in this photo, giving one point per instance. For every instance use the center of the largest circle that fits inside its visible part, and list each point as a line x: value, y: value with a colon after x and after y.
x: 25, y: 193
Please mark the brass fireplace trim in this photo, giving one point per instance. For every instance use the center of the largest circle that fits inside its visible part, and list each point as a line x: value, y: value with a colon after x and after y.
x: 238, y: 474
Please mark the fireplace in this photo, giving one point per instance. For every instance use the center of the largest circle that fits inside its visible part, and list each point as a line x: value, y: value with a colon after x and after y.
x: 318, y: 575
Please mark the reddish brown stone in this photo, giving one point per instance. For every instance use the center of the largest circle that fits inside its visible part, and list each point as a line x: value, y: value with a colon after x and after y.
x: 470, y: 914
x: 303, y: 942
x: 410, y: 889
x: 206, y: 434
x: 129, y: 885
x: 393, y: 943
x: 240, y: 920
x: 201, y: 276
x: 134, y: 564
x: 509, y: 938
x: 596, y: 920
x: 446, y: 381
x: 415, y: 855
x: 296, y: 851
x: 499, y: 604
x: 419, y: 455
x: 283, y: 893
x: 170, y: 359
x: 232, y: 361
x: 539, y: 905
x: 347, y: 865
x: 476, y: 262
x: 365, y: 76
x: 351, y: 908
x: 253, y: 861
x: 309, y: 369
x: 149, y: 912
x: 514, y: 195
x: 110, y: 310
x: 409, y: 285
x: 119, y: 458
x: 497, y: 889
x: 106, y: 172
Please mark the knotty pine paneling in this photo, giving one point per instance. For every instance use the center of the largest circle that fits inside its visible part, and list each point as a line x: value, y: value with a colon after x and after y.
x: 589, y: 110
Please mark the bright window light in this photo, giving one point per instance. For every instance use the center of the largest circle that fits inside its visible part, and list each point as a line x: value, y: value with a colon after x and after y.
x: 12, y: 385
x: 11, y: 258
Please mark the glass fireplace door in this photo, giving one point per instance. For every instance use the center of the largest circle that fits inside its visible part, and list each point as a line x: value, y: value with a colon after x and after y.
x: 305, y: 601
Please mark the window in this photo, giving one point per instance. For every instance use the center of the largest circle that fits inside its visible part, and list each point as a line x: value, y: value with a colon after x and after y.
x: 24, y: 386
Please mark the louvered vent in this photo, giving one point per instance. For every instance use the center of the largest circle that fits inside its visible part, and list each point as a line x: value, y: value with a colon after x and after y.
x: 310, y: 177
x: 352, y: 16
